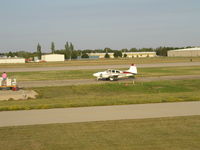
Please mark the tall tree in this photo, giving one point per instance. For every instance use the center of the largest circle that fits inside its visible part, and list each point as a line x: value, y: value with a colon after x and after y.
x: 52, y: 47
x: 67, y: 51
x: 71, y: 47
x: 39, y: 52
x: 67, y: 46
x: 72, y: 53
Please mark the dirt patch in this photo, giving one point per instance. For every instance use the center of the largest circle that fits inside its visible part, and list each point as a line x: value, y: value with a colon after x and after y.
x: 17, y: 95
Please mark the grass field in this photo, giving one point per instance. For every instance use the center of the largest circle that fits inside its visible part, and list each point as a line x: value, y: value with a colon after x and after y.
x: 107, y: 62
x: 109, y: 94
x: 87, y: 74
x: 178, y: 133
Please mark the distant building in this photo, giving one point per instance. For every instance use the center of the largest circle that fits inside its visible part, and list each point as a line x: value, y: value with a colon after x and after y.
x: 129, y: 54
x: 11, y: 60
x: 187, y: 52
x: 139, y: 54
x: 99, y: 55
x: 53, y: 57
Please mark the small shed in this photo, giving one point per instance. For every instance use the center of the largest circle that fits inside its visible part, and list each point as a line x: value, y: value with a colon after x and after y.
x: 53, y: 57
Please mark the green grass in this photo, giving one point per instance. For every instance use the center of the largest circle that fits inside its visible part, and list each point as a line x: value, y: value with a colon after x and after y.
x: 107, y: 62
x: 109, y: 94
x: 87, y: 74
x: 178, y: 133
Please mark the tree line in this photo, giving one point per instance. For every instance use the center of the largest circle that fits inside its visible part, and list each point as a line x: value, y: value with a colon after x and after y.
x: 71, y: 53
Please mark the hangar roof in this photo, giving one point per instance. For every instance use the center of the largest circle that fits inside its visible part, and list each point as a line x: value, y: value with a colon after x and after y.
x: 188, y: 49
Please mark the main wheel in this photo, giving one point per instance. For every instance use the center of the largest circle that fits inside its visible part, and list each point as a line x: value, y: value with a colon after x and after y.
x: 111, y: 79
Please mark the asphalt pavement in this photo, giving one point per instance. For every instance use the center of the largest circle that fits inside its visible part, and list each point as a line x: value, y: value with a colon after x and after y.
x: 97, y: 67
x: 100, y: 113
x: 45, y: 83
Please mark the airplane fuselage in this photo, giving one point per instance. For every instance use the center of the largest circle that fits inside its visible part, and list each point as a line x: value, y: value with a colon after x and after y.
x: 112, y: 74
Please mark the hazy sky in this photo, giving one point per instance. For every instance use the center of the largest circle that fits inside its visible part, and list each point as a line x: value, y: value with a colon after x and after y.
x: 94, y: 24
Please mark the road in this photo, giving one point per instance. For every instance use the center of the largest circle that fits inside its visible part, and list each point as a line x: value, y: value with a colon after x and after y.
x: 96, y: 67
x: 44, y: 83
x: 100, y: 113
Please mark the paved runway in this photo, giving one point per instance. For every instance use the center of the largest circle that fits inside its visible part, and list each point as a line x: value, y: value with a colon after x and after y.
x: 101, y: 113
x: 45, y: 83
x: 97, y: 67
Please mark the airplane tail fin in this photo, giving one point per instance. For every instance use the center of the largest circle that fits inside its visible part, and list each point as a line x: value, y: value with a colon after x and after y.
x: 133, y: 69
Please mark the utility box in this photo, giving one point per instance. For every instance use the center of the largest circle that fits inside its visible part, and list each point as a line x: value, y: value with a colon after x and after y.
x: 8, y: 83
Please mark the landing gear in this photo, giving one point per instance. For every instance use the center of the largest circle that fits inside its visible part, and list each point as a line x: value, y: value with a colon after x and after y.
x: 113, y: 79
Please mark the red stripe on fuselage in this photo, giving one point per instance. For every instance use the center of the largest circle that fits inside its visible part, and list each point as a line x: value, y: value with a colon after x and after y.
x: 128, y: 72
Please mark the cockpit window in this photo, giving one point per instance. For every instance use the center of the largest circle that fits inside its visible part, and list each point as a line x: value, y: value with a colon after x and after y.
x: 109, y: 71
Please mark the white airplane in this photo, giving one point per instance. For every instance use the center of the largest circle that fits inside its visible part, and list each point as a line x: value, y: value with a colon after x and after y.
x: 113, y: 74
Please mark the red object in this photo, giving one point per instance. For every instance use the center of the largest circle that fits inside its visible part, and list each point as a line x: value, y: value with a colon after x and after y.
x: 15, y: 88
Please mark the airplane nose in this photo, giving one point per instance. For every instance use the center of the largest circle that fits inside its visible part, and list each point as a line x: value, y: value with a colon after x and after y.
x: 95, y: 74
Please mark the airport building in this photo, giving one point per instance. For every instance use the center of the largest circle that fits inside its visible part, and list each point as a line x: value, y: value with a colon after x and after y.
x: 12, y: 60
x: 53, y: 57
x: 129, y: 54
x: 139, y: 54
x: 100, y: 55
x: 188, y: 52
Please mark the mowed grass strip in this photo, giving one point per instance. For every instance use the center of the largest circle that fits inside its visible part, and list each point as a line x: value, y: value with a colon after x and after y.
x: 105, y: 62
x: 178, y: 133
x: 87, y: 74
x: 108, y: 94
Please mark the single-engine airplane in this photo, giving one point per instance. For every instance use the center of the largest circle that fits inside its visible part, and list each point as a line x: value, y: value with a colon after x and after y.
x: 113, y: 74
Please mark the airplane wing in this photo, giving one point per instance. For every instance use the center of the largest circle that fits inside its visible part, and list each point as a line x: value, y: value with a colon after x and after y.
x: 113, y: 77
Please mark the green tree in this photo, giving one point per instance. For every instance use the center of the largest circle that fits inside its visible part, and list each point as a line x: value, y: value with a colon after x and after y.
x: 117, y: 54
x: 133, y: 50
x: 10, y: 54
x: 73, y: 54
x: 107, y: 50
x: 124, y: 50
x: 39, y: 52
x: 162, y: 51
x: 125, y: 55
x: 107, y: 55
x: 84, y: 55
x: 71, y: 46
x: 52, y: 47
x: 67, y: 51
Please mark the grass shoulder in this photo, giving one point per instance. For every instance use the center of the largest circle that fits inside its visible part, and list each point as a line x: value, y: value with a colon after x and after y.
x: 175, y: 133
x: 108, y: 94
x: 87, y: 74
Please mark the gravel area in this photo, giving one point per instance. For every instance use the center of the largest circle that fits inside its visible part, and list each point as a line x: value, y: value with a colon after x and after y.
x: 17, y: 95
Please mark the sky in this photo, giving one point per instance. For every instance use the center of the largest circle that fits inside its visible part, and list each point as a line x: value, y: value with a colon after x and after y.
x: 96, y: 24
